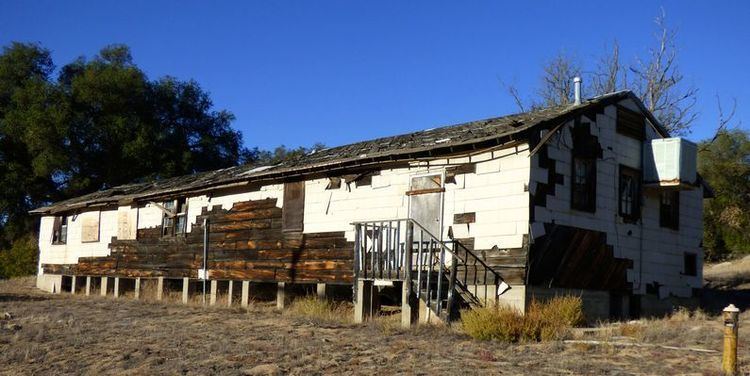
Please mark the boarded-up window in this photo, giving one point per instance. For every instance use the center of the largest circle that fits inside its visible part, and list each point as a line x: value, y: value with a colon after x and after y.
x: 90, y: 227
x: 293, y: 211
x: 125, y: 226
x: 631, y: 124
x: 60, y: 230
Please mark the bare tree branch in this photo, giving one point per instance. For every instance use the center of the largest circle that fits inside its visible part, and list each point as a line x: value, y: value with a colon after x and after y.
x: 659, y: 83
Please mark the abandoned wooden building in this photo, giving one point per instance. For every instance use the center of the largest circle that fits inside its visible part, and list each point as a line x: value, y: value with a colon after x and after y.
x: 592, y: 199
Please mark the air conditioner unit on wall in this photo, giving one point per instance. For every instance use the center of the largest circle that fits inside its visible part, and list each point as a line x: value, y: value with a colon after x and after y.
x: 670, y: 163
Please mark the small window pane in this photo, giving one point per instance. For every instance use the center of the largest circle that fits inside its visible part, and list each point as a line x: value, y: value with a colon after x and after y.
x: 630, y: 190
x: 584, y: 184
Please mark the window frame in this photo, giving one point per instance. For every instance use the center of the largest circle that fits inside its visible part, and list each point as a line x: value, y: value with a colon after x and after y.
x: 669, y: 213
x: 175, y: 225
x: 637, y: 191
x: 690, y: 264
x: 587, y: 189
x: 294, y: 199
x: 60, y: 230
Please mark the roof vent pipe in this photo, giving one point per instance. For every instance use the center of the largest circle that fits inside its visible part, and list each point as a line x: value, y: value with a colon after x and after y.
x: 577, y: 90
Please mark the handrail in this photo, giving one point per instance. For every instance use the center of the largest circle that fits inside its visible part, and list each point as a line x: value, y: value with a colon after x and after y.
x: 442, y: 243
x: 468, y: 252
x: 393, y: 249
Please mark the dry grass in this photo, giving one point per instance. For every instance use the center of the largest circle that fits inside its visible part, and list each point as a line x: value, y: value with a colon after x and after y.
x: 728, y: 274
x: 543, y: 321
x: 322, y: 310
x: 64, y: 334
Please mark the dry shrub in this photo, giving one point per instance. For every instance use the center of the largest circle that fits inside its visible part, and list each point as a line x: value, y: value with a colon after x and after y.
x: 311, y: 307
x: 543, y: 321
x: 683, y: 314
x: 632, y: 330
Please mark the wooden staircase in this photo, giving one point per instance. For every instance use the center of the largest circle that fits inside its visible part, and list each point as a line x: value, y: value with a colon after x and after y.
x: 443, y: 275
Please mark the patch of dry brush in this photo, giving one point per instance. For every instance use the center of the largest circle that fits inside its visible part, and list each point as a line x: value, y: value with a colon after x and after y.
x: 543, y: 321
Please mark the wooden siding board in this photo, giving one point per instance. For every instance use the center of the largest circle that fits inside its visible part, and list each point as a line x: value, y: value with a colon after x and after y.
x: 237, y: 249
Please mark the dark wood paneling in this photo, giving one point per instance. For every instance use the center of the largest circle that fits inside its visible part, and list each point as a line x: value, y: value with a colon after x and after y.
x: 463, y: 218
x: 571, y: 257
x: 245, y: 242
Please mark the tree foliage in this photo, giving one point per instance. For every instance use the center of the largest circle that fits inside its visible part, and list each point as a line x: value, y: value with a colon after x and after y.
x: 97, y: 123
x: 725, y: 163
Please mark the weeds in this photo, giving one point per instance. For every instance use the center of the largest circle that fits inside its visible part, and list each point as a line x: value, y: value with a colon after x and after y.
x: 543, y: 321
x: 317, y: 309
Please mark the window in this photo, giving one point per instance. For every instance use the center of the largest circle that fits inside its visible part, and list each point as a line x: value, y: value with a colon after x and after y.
x: 630, y: 191
x: 669, y: 209
x: 584, y: 184
x: 293, y: 210
x: 174, y: 221
x: 90, y: 222
x: 690, y: 264
x: 631, y: 124
x: 60, y: 230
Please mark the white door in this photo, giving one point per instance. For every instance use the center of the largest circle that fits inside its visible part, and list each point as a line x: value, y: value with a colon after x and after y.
x: 426, y: 202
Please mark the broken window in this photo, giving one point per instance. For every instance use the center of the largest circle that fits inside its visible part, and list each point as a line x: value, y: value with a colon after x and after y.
x: 174, y: 221
x: 60, y: 230
x: 690, y: 261
x: 584, y: 184
x: 630, y: 191
x: 669, y: 209
x: 333, y: 183
x: 293, y: 210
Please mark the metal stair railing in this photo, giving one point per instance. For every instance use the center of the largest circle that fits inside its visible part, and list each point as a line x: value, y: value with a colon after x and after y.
x: 397, y: 249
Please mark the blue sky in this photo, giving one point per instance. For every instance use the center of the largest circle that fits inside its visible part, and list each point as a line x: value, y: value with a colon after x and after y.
x: 297, y: 72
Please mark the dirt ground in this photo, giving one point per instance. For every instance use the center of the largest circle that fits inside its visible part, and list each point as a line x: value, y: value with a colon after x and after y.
x: 64, y: 334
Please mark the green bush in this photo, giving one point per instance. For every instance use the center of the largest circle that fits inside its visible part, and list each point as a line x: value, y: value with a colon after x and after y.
x: 20, y: 259
x: 543, y: 321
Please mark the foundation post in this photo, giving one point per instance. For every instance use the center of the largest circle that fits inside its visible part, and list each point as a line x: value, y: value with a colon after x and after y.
x: 281, y: 295
x: 73, y: 284
x: 363, y: 301
x: 321, y: 290
x: 103, y: 287
x: 137, y: 291
x: 214, y: 291
x: 245, y: 294
x: 88, y: 285
x: 159, y: 288
x: 230, y: 291
x: 409, y: 301
x: 185, y: 289
x: 117, y: 287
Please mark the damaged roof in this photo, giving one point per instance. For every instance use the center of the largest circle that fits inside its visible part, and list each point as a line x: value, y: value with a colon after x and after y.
x: 432, y: 142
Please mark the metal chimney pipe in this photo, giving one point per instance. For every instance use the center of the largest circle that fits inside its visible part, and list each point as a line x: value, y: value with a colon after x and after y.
x: 577, y: 90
